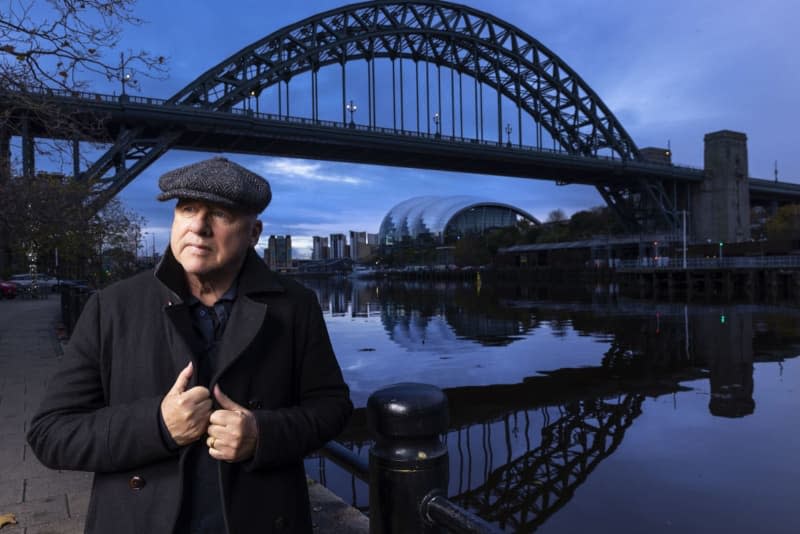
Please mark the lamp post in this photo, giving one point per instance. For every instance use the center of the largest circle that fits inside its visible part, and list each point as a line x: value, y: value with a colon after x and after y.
x: 153, y: 242
x: 124, y: 77
x: 437, y: 120
x: 351, y: 108
x: 508, y: 133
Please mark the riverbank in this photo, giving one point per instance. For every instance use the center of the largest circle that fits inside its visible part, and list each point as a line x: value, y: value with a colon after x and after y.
x: 55, y: 502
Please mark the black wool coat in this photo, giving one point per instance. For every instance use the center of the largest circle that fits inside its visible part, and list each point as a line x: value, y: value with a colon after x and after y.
x: 101, y: 412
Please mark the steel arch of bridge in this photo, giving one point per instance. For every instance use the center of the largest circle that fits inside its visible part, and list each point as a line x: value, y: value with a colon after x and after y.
x: 471, y: 42
x: 493, y: 52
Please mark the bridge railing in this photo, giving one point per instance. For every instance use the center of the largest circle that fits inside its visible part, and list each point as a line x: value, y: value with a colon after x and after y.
x: 408, y: 467
x: 734, y: 262
x: 432, y: 136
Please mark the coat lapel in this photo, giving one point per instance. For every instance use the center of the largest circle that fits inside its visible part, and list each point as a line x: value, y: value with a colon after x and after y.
x: 247, y: 315
x: 183, y: 344
x: 246, y: 320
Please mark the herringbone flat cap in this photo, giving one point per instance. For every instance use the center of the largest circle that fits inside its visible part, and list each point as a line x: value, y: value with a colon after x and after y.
x: 220, y: 181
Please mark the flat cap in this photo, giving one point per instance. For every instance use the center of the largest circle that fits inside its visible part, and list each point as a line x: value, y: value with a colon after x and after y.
x: 220, y: 181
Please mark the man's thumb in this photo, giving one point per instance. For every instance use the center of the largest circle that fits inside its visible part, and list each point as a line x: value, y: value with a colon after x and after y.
x: 182, y: 381
x: 225, y: 402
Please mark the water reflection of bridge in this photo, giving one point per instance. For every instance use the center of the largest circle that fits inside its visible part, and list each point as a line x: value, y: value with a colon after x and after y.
x: 518, y: 451
x: 523, y: 492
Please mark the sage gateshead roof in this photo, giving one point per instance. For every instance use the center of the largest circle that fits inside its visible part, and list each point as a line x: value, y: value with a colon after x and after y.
x: 445, y: 218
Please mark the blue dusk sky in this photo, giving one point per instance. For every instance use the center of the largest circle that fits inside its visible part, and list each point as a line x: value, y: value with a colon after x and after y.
x: 669, y: 71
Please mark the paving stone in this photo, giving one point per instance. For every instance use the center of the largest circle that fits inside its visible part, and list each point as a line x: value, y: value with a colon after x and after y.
x: 11, y: 452
x: 13, y: 424
x: 29, y: 468
x: 78, y: 503
x: 330, y: 514
x: 40, y: 512
x: 11, y: 492
x: 13, y: 439
x: 58, y: 483
x: 70, y: 526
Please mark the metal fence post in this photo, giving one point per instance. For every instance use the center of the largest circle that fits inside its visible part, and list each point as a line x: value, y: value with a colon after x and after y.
x: 408, y: 461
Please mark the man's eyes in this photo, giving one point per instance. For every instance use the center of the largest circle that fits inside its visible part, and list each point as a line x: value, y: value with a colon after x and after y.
x: 220, y: 214
x: 216, y: 214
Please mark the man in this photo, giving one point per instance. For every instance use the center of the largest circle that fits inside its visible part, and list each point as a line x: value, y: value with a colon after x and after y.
x: 194, y: 394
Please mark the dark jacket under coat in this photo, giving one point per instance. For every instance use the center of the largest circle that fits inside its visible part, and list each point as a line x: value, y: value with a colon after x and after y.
x: 101, y: 411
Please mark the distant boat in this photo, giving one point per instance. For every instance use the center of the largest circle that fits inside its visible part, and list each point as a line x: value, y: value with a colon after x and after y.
x: 362, y: 271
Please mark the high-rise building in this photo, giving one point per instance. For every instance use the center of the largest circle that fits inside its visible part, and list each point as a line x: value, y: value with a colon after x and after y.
x: 320, y: 249
x: 358, y: 246
x: 278, y: 254
x: 338, y: 246
x: 373, y: 240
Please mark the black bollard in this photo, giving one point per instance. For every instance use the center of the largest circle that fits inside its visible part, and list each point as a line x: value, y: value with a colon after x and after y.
x: 408, y: 462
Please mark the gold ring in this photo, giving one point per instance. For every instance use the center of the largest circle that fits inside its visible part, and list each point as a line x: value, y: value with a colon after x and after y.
x: 213, y: 441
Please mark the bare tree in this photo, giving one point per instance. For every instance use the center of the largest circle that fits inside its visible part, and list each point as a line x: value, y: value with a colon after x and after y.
x: 65, y: 43
x: 48, y: 46
x: 55, y: 47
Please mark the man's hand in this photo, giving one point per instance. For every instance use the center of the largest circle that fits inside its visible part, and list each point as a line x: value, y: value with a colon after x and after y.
x: 186, y: 413
x: 232, y: 432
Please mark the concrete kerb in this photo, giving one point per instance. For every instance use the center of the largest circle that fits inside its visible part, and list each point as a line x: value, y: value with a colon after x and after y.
x: 45, y: 500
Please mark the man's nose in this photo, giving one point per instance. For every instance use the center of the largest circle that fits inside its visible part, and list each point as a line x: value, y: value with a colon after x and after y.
x: 200, y: 224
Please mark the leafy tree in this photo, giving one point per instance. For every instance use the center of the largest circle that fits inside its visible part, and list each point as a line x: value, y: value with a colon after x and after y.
x: 49, y: 215
x: 595, y: 221
x: 785, y: 224
x: 557, y: 215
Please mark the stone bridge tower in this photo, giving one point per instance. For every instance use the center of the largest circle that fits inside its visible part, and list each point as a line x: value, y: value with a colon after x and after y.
x: 720, y: 205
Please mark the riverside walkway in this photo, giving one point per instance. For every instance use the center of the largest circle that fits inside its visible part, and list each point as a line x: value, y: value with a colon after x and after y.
x: 45, y: 501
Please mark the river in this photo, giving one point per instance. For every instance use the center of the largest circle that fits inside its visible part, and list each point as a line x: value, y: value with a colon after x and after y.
x: 576, y: 410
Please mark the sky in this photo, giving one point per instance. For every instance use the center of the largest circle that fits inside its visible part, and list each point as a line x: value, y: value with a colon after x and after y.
x: 670, y: 71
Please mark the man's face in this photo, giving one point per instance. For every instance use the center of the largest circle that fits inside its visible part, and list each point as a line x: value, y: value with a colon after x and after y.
x: 209, y: 239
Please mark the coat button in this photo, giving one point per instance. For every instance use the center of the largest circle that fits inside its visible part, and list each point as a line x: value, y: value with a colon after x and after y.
x: 254, y: 404
x: 136, y: 483
x: 280, y: 523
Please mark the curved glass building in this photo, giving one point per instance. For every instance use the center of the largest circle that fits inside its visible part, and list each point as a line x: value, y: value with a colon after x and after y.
x: 445, y: 219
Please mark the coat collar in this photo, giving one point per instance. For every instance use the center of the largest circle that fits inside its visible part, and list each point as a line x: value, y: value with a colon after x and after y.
x: 247, y: 315
x: 255, y: 277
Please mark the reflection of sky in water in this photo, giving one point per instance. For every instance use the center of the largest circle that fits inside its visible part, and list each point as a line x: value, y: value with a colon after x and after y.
x: 680, y: 469
x: 693, y: 460
x: 427, y: 350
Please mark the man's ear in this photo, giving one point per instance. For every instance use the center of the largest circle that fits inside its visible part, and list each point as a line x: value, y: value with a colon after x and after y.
x: 256, y: 232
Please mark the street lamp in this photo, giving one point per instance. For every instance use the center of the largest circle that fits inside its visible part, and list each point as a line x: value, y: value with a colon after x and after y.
x: 124, y: 77
x: 351, y: 108
x: 153, y: 240
x: 508, y: 133
x: 437, y: 120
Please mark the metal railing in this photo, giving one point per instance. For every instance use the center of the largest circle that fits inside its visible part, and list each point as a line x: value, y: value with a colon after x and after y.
x: 431, y: 136
x: 734, y: 262
x: 408, y: 469
x: 73, y: 299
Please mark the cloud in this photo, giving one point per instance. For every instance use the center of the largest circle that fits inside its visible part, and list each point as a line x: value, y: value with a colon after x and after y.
x: 284, y: 168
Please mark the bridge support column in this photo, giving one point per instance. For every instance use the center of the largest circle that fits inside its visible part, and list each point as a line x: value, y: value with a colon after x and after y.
x: 5, y: 154
x: 76, y: 159
x: 5, y: 176
x: 721, y: 203
x: 28, y: 147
